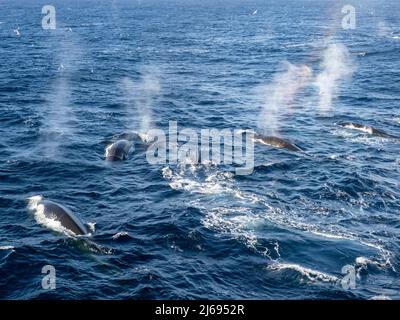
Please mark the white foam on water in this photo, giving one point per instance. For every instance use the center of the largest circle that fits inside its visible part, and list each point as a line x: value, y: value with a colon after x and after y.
x: 175, y: 247
x: 372, y: 141
x: 9, y: 250
x: 283, y: 218
x: 363, y: 129
x: 167, y: 173
x: 146, y: 137
x: 297, y: 45
x: 357, y: 138
x: 95, y: 248
x: 286, y: 218
x: 341, y: 132
x: 380, y: 297
x: 362, y: 261
x: 7, y: 247
x: 385, y: 255
x: 119, y: 235
x: 236, y: 216
x: 92, y: 226
x: 207, y: 180
x: 186, y: 179
x: 330, y: 235
x: 233, y: 221
x: 310, y: 274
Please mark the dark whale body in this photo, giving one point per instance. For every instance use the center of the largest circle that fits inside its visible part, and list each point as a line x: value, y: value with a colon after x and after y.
x: 55, y: 211
x: 276, y: 142
x: 130, y: 136
x: 118, y: 150
x: 67, y: 219
x: 367, y: 129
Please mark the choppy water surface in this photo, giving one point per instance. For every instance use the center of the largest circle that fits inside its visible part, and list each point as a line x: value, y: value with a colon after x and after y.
x: 201, y: 231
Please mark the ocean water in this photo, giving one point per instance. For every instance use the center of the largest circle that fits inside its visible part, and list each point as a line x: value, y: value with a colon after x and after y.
x: 198, y: 231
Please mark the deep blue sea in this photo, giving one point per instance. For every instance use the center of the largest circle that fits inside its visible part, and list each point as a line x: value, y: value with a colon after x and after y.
x: 200, y: 231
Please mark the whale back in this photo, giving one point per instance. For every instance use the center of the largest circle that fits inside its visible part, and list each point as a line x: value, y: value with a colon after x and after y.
x: 276, y: 142
x: 118, y: 150
x: 65, y: 216
x: 381, y: 133
x: 357, y: 126
x: 367, y: 129
x: 130, y: 136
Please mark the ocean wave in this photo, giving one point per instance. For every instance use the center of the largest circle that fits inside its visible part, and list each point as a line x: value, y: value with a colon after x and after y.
x: 188, y: 179
x: 207, y: 180
x: 233, y: 221
x: 360, y: 137
x: 5, y: 252
x: 146, y: 137
x: 121, y: 235
x: 241, y: 216
x: 309, y: 274
x: 380, y: 297
x: 284, y: 218
x: 336, y: 205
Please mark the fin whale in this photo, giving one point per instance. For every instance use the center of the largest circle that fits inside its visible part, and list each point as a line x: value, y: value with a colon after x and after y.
x: 130, y: 136
x: 119, y: 146
x: 58, y: 212
x: 137, y: 137
x: 276, y: 142
x: 366, y: 129
x: 118, y: 150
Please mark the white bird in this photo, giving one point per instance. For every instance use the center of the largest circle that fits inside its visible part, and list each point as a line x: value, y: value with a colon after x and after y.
x: 254, y: 12
x: 17, y: 33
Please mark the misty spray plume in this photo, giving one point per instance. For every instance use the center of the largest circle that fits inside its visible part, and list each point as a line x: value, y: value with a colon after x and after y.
x: 278, y: 96
x: 59, y: 118
x: 142, y: 95
x: 336, y: 66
